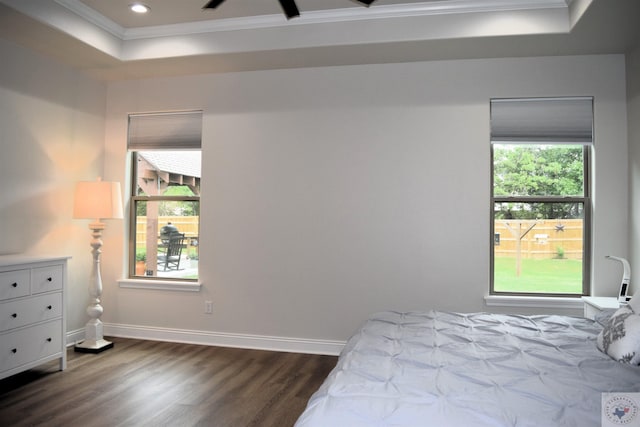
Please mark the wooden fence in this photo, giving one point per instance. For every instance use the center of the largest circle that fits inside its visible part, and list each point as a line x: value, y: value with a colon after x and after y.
x: 545, y: 239
x: 185, y: 224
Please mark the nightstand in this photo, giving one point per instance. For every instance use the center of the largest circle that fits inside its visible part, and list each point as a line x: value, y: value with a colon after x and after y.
x: 596, y: 305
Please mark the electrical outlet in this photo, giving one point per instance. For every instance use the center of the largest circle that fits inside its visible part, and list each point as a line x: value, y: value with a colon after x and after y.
x: 208, y: 307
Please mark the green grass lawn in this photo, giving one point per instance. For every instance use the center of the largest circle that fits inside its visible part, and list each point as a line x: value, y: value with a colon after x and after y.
x: 538, y: 275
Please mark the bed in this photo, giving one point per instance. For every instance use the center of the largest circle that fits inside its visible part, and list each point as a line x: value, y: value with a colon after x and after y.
x: 445, y: 369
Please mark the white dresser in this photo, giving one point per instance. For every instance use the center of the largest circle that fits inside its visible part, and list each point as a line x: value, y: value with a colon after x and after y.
x: 32, y: 312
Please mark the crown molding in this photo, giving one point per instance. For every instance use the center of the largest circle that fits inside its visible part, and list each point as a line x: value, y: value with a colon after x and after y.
x: 456, y: 19
x: 94, y: 17
x: 439, y: 7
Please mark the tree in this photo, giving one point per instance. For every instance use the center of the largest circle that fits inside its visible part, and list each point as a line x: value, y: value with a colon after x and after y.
x: 538, y: 170
x: 171, y: 208
x: 181, y: 208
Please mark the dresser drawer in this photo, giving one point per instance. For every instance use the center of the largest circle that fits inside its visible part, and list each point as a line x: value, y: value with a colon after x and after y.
x: 32, y: 312
x: 45, y: 279
x: 30, y: 344
x: 14, y: 314
x: 14, y: 284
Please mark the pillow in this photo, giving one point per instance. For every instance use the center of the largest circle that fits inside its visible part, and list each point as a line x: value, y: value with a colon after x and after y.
x: 620, y: 337
x: 604, y: 315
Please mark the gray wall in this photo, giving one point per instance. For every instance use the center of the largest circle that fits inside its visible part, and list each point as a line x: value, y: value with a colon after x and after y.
x: 633, y: 112
x: 327, y: 193
x: 51, y: 135
x: 330, y: 193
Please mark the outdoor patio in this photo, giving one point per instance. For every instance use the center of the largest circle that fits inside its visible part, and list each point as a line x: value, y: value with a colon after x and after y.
x: 186, y: 270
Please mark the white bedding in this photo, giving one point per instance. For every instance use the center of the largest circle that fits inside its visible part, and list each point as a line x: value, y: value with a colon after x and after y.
x: 468, y: 370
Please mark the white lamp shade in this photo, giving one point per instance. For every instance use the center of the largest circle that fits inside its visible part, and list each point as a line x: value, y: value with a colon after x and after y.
x: 98, y: 200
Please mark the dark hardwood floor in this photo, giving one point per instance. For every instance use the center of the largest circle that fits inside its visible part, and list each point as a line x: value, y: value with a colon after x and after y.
x: 149, y: 383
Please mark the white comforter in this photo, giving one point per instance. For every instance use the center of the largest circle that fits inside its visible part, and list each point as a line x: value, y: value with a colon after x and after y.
x: 469, y: 370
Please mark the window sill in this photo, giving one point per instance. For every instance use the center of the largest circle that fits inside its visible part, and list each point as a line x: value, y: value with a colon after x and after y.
x: 535, y: 302
x: 162, y: 285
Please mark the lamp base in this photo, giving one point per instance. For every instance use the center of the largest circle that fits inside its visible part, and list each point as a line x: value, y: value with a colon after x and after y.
x: 88, y: 346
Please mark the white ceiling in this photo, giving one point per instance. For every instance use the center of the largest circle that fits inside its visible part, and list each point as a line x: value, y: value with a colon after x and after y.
x: 165, y: 12
x: 179, y: 37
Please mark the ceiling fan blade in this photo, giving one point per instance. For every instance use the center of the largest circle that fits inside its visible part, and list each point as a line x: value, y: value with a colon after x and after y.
x: 290, y: 8
x: 366, y: 2
x: 213, y: 4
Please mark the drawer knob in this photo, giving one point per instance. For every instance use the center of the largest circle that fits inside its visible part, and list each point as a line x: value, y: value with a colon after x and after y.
x: 48, y: 339
x: 14, y: 285
x: 14, y: 350
x: 49, y: 307
x: 14, y: 315
x: 49, y: 279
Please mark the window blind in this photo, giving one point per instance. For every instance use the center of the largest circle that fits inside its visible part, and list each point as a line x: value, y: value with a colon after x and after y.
x: 175, y: 130
x: 542, y: 120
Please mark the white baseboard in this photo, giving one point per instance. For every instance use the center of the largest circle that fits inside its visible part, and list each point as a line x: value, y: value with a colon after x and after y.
x: 74, y: 337
x: 256, y: 342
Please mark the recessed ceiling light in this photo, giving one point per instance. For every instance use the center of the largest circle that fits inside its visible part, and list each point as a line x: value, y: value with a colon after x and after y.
x: 139, y: 8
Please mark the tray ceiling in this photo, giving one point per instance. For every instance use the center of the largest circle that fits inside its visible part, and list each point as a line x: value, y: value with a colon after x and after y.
x: 105, y: 39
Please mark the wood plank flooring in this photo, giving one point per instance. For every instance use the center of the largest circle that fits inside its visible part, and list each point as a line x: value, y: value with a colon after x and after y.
x: 149, y: 383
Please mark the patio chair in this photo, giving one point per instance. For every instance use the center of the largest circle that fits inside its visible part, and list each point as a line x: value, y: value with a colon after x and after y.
x: 170, y: 252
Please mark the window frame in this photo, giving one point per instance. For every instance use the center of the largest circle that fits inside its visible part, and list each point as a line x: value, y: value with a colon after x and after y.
x: 585, y: 199
x: 133, y: 223
x: 161, y: 131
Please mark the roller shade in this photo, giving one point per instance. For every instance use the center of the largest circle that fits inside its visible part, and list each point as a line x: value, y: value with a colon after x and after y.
x: 542, y: 120
x: 177, y: 130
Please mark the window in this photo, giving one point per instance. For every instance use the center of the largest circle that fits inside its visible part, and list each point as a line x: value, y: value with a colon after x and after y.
x: 165, y: 195
x: 540, y: 228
